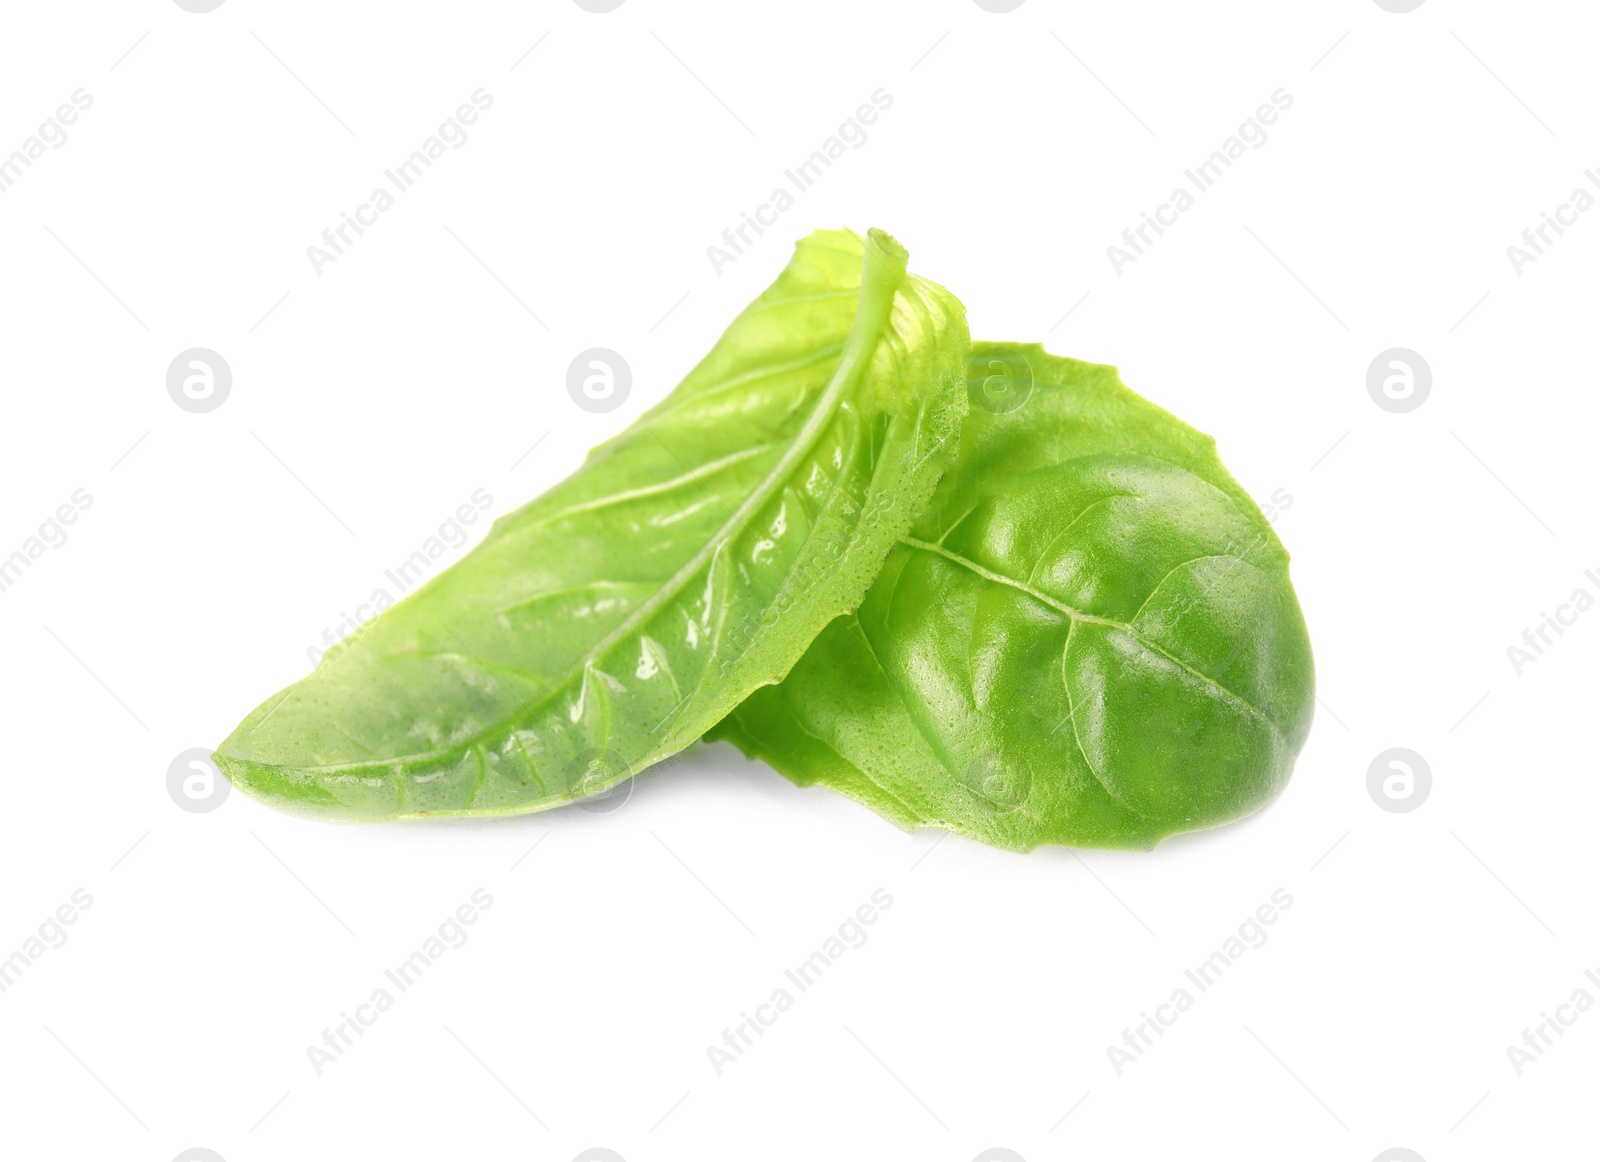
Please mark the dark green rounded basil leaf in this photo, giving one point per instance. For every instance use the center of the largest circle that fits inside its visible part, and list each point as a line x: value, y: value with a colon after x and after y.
x: 1089, y: 638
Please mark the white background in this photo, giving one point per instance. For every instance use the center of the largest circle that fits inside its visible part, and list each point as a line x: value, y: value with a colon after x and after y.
x: 424, y: 363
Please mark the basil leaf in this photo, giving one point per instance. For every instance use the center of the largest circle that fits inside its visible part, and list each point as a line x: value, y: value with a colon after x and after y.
x: 1089, y: 638
x: 693, y: 558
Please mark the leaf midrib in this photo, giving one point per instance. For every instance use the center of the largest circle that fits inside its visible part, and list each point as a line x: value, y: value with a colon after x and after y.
x: 1079, y: 616
x: 859, y: 347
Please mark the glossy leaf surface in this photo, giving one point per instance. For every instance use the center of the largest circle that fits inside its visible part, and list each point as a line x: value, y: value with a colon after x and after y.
x: 693, y: 558
x: 1089, y: 638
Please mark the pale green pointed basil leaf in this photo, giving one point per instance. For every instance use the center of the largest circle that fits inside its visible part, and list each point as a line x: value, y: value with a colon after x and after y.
x: 692, y: 559
x: 1089, y: 638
